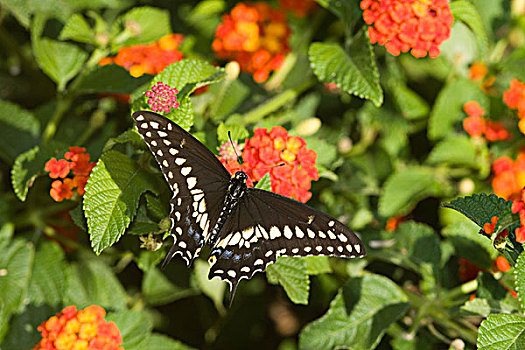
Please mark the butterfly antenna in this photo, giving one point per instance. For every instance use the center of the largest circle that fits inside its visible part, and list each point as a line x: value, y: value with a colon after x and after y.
x: 239, y: 160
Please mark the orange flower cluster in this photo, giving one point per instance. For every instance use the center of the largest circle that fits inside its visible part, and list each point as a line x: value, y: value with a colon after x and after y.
x: 78, y: 330
x: 300, y: 8
x: 148, y: 59
x: 475, y: 125
x: 393, y: 223
x: 509, y: 176
x: 286, y: 158
x: 514, y: 98
x: 79, y: 163
x: 518, y: 207
x: 502, y: 264
x: 256, y: 36
x: 403, y: 25
x: 477, y: 71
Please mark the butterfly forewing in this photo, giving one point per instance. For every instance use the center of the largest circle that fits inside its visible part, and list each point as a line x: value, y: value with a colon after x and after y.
x: 265, y: 226
x: 196, y: 177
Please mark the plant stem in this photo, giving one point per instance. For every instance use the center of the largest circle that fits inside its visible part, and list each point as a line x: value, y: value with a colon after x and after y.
x: 63, y: 104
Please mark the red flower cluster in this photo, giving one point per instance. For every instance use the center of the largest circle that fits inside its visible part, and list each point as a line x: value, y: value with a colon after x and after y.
x: 148, y: 59
x: 518, y: 207
x: 475, y: 125
x: 403, y: 25
x: 256, y: 36
x: 79, y: 163
x: 290, y: 163
x: 162, y: 98
x: 300, y: 8
x: 79, y: 330
x: 509, y: 176
x: 514, y: 98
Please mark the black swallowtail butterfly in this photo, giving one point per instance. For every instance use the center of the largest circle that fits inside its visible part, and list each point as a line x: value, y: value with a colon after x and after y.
x: 246, y: 228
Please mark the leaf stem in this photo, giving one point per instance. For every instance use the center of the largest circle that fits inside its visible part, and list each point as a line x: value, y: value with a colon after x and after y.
x: 63, y: 104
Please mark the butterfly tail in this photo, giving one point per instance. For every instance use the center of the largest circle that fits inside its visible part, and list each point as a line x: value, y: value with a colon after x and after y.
x: 233, y: 289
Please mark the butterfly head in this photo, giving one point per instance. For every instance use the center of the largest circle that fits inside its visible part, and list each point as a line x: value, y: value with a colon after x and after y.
x: 240, y: 176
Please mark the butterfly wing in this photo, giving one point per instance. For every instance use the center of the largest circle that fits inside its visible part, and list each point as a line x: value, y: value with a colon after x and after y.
x: 265, y: 226
x: 197, y: 178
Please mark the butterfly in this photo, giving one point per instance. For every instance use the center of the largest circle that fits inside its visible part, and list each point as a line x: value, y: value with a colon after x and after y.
x: 245, y: 228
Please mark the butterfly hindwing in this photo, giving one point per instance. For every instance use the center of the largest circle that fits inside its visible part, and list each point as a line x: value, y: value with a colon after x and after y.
x: 196, y: 177
x: 265, y: 226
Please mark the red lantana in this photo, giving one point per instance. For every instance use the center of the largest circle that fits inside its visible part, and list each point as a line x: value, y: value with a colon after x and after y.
x: 514, y: 97
x: 402, y: 25
x: 79, y: 163
x: 79, y: 330
x: 477, y: 71
x: 148, y: 59
x: 475, y: 125
x: 509, y: 176
x: 489, y: 227
x: 300, y: 8
x: 256, y: 36
x: 162, y: 98
x: 502, y: 264
x: 286, y: 158
x: 518, y: 207
x: 393, y: 223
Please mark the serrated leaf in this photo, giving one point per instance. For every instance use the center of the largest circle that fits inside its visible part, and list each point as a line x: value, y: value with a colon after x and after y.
x: 405, y: 188
x: 189, y: 71
x: 30, y: 164
x: 358, y: 316
x: 110, y: 79
x: 111, y: 198
x: 158, y: 290
x: 162, y: 342
x: 455, y: 150
x: 519, y: 279
x: 502, y: 331
x: 77, y: 29
x: 151, y: 24
x: 214, y: 288
x: 238, y: 132
x: 135, y: 328
x: 353, y: 71
x: 468, y: 14
x: 59, y: 67
x: 48, y: 282
x: 265, y: 183
x: 290, y: 273
x: 480, y: 208
x: 93, y: 282
x: 19, y: 118
x: 448, y: 108
x: 316, y: 265
x: 477, y: 306
x: 183, y: 115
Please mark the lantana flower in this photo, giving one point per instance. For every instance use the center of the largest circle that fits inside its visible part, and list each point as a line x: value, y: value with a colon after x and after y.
x: 286, y: 158
x: 162, y: 98
x: 514, y: 98
x: 418, y: 26
x: 509, y: 176
x: 79, y: 330
x: 148, y: 59
x: 76, y: 161
x: 475, y: 125
x: 254, y: 35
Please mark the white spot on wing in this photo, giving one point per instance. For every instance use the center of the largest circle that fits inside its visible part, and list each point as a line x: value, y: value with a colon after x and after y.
x: 311, y: 233
x: 192, y: 181
x: 342, y: 237
x: 287, y: 232
x: 185, y: 171
x: 180, y: 161
x: 258, y: 262
x: 298, y: 232
x: 235, y: 239
x: 140, y: 118
x: 232, y: 273
x: 274, y: 232
x: 155, y: 125
x: 162, y: 133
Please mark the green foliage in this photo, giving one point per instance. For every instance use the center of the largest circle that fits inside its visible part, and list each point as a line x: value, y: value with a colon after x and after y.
x: 502, y: 332
x: 292, y: 274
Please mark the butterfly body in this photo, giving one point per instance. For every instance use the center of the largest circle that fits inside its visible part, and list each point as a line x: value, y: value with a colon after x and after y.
x: 246, y: 228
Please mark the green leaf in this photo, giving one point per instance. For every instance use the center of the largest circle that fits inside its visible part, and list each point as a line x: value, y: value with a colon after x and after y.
x: 477, y: 306
x: 162, y: 342
x: 411, y: 105
x: 265, y: 183
x: 19, y: 118
x: 513, y: 64
x: 290, y: 273
x: 455, y: 150
x: 134, y: 327
x: 214, y: 288
x: 421, y: 243
x: 448, y: 109
x: 238, y: 132
x: 326, y: 152
x: 155, y: 207
x: 59, y: 67
x: 502, y: 332
x: 467, y: 13
x: 183, y: 115
x: 149, y: 259
x: 48, y: 282
x: 77, y: 215
x: 142, y: 224
x: 406, y: 187
x: 480, y: 208
x: 189, y: 71
x: 358, y: 316
x: 158, y: 290
x: 229, y: 94
x: 519, y: 279
x: 205, y: 16
x: 316, y: 265
x: 110, y: 79
x: 150, y: 24
x: 353, y: 71
x: 111, y: 198
x: 93, y: 282
x: 489, y: 287
x: 129, y: 136
x: 23, y: 333
x: 20, y: 130
x: 30, y: 164
x: 78, y: 29
x: 347, y: 11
